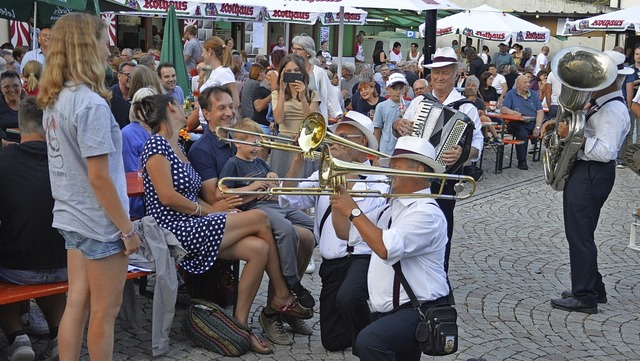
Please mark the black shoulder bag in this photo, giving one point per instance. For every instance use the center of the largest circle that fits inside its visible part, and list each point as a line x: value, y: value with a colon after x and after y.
x: 437, y: 331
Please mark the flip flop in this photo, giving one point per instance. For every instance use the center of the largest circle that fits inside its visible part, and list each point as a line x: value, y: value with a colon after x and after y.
x: 294, y: 309
x: 259, y: 346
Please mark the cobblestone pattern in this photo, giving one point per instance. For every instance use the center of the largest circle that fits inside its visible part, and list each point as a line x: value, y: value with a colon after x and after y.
x: 509, y: 258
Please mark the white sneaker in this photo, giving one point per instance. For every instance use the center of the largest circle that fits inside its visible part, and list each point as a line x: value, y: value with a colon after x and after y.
x: 33, y: 323
x: 311, y: 267
x: 20, y: 349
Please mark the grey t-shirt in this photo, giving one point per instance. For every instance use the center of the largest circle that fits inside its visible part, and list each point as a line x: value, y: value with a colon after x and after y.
x: 236, y: 167
x: 193, y: 49
x: 248, y: 96
x: 80, y: 125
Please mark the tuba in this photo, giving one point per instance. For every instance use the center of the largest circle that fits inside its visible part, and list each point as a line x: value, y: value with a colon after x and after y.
x: 581, y: 71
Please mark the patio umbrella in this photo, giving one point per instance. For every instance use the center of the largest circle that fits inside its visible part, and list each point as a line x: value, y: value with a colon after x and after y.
x: 620, y: 20
x: 487, y: 23
x: 48, y: 11
x: 172, y: 49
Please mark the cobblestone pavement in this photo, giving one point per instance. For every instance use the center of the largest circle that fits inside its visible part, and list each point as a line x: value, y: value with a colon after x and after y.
x: 509, y: 258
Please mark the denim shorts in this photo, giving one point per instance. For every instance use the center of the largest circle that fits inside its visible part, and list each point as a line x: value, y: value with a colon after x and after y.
x: 33, y: 277
x: 90, y: 248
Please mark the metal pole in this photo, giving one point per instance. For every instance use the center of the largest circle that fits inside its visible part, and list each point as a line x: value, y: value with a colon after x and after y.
x: 35, y: 25
x: 340, y: 41
x: 430, y: 20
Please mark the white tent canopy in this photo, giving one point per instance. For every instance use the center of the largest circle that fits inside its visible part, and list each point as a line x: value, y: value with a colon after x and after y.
x: 487, y: 23
x: 414, y: 5
x: 619, y: 20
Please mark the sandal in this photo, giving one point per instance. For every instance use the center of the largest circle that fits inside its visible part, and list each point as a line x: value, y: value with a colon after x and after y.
x: 259, y: 346
x: 294, y: 309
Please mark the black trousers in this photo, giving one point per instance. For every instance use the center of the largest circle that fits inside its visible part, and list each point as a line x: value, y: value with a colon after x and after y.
x: 587, y: 189
x: 447, y: 207
x: 344, y: 311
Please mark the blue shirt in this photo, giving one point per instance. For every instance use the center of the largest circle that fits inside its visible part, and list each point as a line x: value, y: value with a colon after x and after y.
x: 177, y: 94
x: 134, y: 136
x: 386, y: 113
x: 528, y: 107
x: 629, y: 79
x: 208, y: 155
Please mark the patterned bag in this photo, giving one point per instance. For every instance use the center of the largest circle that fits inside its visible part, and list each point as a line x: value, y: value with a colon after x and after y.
x: 209, y: 326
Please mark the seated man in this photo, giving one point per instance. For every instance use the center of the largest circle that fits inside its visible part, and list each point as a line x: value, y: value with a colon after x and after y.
x: 521, y: 101
x: 31, y: 251
x: 167, y: 74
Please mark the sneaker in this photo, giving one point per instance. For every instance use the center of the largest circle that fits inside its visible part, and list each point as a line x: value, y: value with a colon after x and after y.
x: 34, y: 324
x: 274, y: 329
x: 50, y: 353
x: 304, y: 297
x: 297, y: 325
x: 311, y: 267
x: 620, y: 164
x: 495, y: 141
x: 20, y: 349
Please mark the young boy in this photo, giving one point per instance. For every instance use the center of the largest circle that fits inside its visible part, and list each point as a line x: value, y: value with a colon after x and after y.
x: 491, y: 138
x: 247, y: 163
x: 389, y: 111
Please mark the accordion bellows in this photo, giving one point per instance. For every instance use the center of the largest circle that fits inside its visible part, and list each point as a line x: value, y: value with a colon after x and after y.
x: 208, y: 325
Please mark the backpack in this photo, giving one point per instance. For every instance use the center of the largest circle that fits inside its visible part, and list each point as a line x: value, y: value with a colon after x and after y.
x: 208, y: 325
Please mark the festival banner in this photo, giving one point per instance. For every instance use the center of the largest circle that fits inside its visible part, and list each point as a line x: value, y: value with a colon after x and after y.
x: 19, y: 32
x: 110, y: 19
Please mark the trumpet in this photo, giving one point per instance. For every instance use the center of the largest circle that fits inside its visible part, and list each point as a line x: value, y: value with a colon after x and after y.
x: 312, y: 134
x: 333, y: 172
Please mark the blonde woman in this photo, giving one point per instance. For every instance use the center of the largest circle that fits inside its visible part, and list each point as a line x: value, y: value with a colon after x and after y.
x: 87, y: 182
x: 218, y: 56
x: 30, y: 76
x: 144, y: 77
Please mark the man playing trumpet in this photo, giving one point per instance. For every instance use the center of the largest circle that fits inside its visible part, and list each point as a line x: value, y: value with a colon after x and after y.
x: 343, y: 297
x: 411, y: 231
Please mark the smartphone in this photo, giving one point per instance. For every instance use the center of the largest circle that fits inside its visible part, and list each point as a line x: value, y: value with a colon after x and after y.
x: 292, y: 77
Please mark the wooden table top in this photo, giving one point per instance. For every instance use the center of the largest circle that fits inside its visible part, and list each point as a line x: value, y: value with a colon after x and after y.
x: 135, y: 186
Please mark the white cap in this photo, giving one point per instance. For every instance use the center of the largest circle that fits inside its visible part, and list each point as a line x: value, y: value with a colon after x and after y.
x: 396, y: 78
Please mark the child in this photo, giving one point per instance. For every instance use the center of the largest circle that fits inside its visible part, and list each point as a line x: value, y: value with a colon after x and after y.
x: 247, y: 163
x: 389, y: 111
x: 492, y: 139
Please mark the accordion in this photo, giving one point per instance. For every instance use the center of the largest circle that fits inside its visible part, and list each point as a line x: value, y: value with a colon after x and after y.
x: 445, y: 127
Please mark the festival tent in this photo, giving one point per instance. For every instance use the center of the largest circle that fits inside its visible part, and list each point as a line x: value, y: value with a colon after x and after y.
x: 487, y: 23
x: 48, y: 11
x: 172, y: 50
x: 620, y: 20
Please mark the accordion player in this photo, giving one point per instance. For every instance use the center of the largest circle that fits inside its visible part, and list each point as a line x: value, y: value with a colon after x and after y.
x: 445, y: 127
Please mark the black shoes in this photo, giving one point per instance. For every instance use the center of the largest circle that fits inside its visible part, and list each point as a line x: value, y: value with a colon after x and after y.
x: 571, y: 304
x: 304, y: 297
x: 522, y: 164
x: 568, y: 294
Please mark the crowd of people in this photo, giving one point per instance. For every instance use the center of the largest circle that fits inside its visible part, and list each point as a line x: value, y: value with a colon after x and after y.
x: 101, y: 112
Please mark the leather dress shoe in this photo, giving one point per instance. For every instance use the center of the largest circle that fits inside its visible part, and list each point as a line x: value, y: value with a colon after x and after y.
x: 522, y: 164
x: 567, y: 294
x: 571, y: 304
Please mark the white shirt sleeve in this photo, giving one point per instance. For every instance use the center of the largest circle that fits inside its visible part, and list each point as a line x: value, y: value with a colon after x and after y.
x: 605, y: 133
x: 413, y: 107
x: 478, y: 139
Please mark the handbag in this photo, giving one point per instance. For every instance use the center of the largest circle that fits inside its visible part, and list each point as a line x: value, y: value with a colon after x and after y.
x: 208, y: 325
x: 437, y: 331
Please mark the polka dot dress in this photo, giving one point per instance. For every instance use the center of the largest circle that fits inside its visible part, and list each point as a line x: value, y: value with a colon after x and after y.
x: 200, y: 236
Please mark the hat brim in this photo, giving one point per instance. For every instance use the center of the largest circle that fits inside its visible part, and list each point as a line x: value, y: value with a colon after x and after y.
x: 398, y: 82
x: 439, y: 64
x: 371, y: 139
x: 625, y: 71
x: 437, y: 167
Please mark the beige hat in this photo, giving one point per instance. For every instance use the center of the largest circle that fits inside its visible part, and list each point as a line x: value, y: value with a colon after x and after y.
x: 416, y: 148
x: 363, y: 123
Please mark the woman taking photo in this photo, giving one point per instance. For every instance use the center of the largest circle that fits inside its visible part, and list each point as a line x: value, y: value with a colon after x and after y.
x: 87, y: 183
x: 379, y: 56
x: 291, y: 103
x: 172, y: 187
x: 218, y: 56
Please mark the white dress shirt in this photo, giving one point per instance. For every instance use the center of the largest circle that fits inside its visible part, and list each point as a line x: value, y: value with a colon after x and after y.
x: 331, y: 247
x: 417, y: 237
x: 606, y: 129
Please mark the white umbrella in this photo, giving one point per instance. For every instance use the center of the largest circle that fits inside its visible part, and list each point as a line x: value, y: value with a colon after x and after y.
x: 487, y: 23
x: 619, y: 20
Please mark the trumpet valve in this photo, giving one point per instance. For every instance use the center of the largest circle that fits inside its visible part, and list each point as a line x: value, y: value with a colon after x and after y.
x: 458, y: 187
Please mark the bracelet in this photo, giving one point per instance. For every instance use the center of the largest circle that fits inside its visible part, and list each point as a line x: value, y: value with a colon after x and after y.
x: 198, y: 210
x: 126, y: 236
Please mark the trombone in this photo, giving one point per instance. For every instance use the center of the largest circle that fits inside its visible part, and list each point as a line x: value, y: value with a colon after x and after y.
x: 333, y: 172
x: 313, y: 133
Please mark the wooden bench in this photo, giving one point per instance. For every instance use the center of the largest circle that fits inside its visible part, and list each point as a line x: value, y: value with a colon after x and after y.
x: 10, y: 293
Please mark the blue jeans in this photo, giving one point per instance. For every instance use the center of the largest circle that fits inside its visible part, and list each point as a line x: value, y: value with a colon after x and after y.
x: 90, y: 248
x: 33, y: 277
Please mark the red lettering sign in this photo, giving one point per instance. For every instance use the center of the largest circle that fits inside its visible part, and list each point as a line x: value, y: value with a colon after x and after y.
x: 351, y: 17
x: 532, y: 35
x: 291, y: 15
x: 489, y: 35
x: 164, y: 5
x: 607, y: 23
x: 443, y: 31
x: 237, y: 10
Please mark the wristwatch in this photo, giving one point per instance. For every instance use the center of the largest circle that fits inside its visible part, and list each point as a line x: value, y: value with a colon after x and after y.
x: 538, y: 127
x: 356, y: 212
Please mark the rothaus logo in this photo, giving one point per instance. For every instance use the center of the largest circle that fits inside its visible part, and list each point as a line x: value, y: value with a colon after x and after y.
x: 291, y: 15
x: 164, y: 5
x: 607, y: 23
x: 236, y: 9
